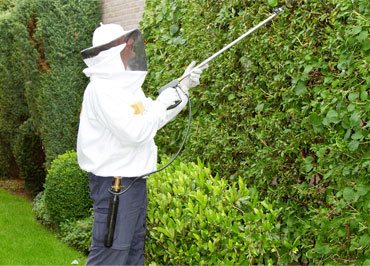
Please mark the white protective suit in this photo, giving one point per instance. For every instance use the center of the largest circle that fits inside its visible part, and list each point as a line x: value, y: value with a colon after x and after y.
x: 116, y: 135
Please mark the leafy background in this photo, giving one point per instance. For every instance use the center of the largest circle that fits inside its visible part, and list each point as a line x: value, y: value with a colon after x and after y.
x: 282, y: 120
x: 41, y: 84
x: 287, y: 109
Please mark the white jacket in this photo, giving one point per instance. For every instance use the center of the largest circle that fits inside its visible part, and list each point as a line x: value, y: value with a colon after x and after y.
x: 113, y: 140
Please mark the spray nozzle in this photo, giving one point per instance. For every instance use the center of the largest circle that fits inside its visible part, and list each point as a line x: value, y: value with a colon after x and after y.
x: 278, y: 10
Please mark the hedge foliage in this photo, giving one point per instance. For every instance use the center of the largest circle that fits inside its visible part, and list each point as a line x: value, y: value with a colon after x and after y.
x: 197, y: 219
x: 41, y: 79
x: 193, y: 217
x: 17, y: 65
x: 66, y: 190
x: 77, y: 233
x: 287, y: 109
x: 62, y: 30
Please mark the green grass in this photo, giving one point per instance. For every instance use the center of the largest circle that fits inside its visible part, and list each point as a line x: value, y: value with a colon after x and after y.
x: 23, y: 241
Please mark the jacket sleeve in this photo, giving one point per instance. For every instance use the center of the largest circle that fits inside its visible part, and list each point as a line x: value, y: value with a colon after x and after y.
x: 119, y: 118
x: 169, y: 114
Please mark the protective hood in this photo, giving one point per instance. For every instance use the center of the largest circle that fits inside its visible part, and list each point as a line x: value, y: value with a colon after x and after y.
x: 120, y: 62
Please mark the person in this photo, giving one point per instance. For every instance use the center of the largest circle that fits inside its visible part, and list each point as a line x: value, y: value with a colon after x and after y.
x: 116, y: 133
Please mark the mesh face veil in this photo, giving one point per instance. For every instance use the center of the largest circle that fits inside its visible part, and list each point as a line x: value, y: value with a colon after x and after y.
x: 133, y: 55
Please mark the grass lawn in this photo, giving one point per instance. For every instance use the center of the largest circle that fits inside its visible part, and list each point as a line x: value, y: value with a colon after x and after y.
x: 23, y: 241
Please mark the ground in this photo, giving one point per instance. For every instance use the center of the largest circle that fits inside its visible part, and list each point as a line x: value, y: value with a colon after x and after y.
x: 15, y: 186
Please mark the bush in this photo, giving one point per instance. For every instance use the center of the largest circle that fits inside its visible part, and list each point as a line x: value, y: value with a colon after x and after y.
x: 189, y: 214
x: 67, y: 189
x: 40, y: 210
x: 59, y: 30
x: 41, y: 75
x: 17, y: 67
x: 197, y: 219
x: 287, y: 109
x: 30, y: 157
x: 77, y: 233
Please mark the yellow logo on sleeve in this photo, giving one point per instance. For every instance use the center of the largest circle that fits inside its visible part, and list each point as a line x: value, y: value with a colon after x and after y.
x: 138, y: 108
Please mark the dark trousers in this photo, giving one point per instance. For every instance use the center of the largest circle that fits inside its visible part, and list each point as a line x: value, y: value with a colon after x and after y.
x: 130, y: 230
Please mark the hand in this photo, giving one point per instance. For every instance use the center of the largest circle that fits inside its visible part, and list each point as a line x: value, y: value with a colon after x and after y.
x: 193, y: 79
x: 168, y: 97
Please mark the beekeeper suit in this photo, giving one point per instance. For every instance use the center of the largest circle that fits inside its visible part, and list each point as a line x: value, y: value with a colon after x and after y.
x: 116, y: 133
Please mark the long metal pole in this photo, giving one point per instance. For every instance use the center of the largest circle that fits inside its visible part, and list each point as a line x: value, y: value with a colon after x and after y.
x: 209, y: 59
x: 174, y: 83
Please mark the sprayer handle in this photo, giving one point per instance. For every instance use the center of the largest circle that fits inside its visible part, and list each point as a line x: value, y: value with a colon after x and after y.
x: 173, y: 84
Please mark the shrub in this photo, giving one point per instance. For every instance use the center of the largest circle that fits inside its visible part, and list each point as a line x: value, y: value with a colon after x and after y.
x: 287, y: 109
x: 67, y: 189
x: 30, y: 157
x: 40, y: 210
x: 197, y: 219
x: 77, y: 233
x: 41, y: 79
x: 193, y: 217
x: 17, y: 67
x: 59, y: 30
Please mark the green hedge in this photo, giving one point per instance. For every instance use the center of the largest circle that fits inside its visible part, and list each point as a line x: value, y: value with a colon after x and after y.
x: 17, y: 66
x: 193, y: 217
x: 277, y: 97
x: 77, y: 233
x: 287, y: 109
x: 66, y: 190
x: 62, y: 30
x: 41, y: 81
x: 30, y: 158
x: 197, y: 219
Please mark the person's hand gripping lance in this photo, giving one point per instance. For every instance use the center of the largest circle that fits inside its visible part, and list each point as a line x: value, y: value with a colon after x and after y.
x: 188, y: 80
x: 112, y: 211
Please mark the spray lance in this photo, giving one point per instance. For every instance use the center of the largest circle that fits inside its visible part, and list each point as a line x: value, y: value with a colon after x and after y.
x: 174, y: 83
x: 117, y: 189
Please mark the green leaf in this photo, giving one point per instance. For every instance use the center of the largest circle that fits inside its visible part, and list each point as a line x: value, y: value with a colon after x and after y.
x: 231, y: 96
x: 364, y: 241
x: 259, y: 107
x: 353, y: 145
x: 273, y: 3
x: 349, y: 194
x: 322, y: 249
x: 366, y: 45
x: 315, y: 119
x: 362, y: 36
x: 332, y: 116
x: 307, y: 164
x: 353, y: 96
x: 364, y: 95
x: 210, y: 246
x: 178, y: 40
x: 300, y: 88
x: 357, y: 135
x: 362, y: 190
x: 351, y: 107
x: 366, y: 155
x: 354, y: 31
x: 355, y: 119
x: 174, y: 28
